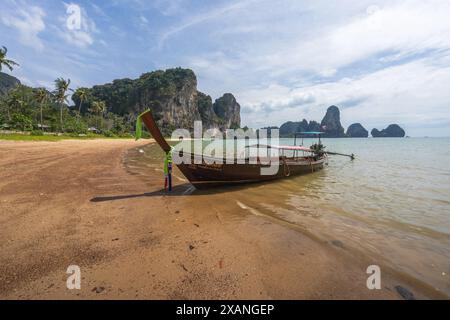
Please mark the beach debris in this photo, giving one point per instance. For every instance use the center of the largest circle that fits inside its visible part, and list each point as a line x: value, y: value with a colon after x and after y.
x: 98, y: 289
x: 338, y: 243
x: 178, y: 211
x: 141, y: 151
x: 191, y: 247
x: 221, y: 263
x: 443, y: 274
x: 405, y: 293
x: 115, y: 239
x: 196, y: 225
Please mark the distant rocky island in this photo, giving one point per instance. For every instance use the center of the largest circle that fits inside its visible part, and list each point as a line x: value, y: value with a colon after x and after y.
x: 393, y: 130
x: 356, y: 130
x: 332, y: 128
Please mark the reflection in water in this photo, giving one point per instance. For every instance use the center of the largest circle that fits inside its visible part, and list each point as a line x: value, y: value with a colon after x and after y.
x: 391, y: 204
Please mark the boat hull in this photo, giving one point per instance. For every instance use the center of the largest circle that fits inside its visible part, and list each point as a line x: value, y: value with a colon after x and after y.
x: 213, y: 175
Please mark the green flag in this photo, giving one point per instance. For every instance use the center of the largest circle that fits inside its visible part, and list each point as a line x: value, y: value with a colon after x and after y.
x: 138, y: 133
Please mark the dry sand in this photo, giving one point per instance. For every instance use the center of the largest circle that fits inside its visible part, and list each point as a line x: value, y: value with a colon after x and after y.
x: 150, y: 247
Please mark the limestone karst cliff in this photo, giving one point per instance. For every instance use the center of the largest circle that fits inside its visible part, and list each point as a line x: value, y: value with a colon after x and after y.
x: 392, y: 131
x: 356, y: 130
x: 173, y: 97
x: 7, y: 83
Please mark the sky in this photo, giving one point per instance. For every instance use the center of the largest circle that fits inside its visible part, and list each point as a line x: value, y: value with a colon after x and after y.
x: 380, y: 62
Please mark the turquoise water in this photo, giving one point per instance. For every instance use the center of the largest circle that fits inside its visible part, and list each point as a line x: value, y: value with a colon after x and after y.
x: 391, y: 204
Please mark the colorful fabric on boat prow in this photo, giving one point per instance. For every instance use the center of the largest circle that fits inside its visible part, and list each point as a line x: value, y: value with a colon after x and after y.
x: 168, y: 170
x: 167, y: 158
x: 167, y: 162
x: 138, y: 133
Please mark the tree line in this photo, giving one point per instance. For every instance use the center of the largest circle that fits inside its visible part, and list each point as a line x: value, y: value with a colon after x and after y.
x: 38, y: 109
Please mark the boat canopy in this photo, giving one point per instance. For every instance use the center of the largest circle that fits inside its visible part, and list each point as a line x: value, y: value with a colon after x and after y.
x: 295, y: 148
x: 311, y: 132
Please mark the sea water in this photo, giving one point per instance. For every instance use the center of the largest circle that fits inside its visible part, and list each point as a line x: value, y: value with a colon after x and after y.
x: 391, y: 204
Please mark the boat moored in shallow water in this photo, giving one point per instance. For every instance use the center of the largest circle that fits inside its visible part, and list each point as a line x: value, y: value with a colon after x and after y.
x: 212, y: 171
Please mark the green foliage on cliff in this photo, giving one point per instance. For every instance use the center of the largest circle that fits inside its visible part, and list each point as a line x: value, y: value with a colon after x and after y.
x: 124, y: 96
x: 290, y: 128
x: 7, y: 83
x: 112, y: 108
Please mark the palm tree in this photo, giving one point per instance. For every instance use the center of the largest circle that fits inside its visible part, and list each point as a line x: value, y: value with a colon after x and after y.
x: 98, y: 107
x: 3, y: 61
x: 82, y: 93
x: 41, y: 96
x: 14, y: 102
x: 62, y: 86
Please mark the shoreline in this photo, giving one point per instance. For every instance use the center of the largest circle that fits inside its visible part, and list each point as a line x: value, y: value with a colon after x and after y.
x: 140, y: 244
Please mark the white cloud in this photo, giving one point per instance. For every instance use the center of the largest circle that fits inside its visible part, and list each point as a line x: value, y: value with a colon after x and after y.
x: 385, y: 63
x: 411, y: 94
x: 143, y: 19
x: 28, y: 21
x: 404, y: 29
x: 202, y: 17
x: 169, y: 7
x: 400, y: 30
x: 142, y: 22
x: 99, y: 11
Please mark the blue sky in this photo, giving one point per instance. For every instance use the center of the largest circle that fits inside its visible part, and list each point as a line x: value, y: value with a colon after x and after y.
x: 381, y: 62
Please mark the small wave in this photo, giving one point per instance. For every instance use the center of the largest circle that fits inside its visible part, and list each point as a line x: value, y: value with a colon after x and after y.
x: 252, y: 210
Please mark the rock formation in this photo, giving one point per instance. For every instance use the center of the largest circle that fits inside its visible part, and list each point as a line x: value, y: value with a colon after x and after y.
x: 392, y: 131
x: 288, y: 129
x: 228, y: 110
x: 206, y: 110
x: 332, y: 128
x: 356, y: 130
x: 314, y: 126
x: 7, y: 83
x: 172, y: 96
x: 331, y: 123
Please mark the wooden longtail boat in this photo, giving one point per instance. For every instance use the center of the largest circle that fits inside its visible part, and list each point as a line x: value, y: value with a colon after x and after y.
x: 207, y: 174
x: 214, y: 175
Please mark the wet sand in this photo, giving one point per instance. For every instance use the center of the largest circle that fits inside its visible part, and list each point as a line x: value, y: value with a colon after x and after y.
x: 76, y: 203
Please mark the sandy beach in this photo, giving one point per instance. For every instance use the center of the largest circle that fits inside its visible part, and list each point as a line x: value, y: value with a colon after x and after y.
x: 137, y: 243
